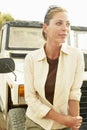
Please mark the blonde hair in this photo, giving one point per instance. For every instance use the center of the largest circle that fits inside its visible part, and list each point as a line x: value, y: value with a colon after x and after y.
x: 49, y: 15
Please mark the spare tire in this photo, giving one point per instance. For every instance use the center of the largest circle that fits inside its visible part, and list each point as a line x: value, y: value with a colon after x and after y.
x: 16, y: 119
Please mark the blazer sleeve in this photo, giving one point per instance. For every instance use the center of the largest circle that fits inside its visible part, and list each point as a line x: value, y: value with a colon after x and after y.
x: 75, y: 92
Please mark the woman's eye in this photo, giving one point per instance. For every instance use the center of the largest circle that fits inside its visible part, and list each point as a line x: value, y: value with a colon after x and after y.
x: 68, y: 24
x: 59, y: 23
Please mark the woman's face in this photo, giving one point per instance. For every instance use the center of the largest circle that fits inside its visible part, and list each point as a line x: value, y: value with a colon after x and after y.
x: 58, y: 28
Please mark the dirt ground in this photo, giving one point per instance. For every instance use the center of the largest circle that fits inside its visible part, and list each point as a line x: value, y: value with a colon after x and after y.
x: 2, y: 122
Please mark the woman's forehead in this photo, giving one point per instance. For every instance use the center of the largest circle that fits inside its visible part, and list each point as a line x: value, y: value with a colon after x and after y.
x: 61, y: 16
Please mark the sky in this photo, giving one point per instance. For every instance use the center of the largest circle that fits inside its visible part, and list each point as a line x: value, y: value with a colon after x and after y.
x: 36, y: 9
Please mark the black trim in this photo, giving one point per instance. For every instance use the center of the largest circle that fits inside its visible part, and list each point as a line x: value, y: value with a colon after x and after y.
x: 17, y: 55
x: 78, y: 28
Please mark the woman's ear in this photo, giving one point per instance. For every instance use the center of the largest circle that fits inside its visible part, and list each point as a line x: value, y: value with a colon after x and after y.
x: 45, y: 27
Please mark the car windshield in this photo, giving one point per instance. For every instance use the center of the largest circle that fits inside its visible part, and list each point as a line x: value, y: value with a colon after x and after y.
x: 25, y: 37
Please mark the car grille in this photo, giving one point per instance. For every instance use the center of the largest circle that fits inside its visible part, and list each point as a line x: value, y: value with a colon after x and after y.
x: 83, y: 102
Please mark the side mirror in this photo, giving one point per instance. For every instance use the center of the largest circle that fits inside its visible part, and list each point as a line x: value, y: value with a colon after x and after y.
x: 7, y: 65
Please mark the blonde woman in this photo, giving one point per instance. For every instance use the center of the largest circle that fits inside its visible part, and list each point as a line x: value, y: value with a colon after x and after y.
x: 53, y: 78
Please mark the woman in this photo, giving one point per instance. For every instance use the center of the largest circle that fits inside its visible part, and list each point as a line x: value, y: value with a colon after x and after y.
x: 53, y: 77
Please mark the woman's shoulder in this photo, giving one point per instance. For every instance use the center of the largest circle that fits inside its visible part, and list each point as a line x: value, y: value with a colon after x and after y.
x: 36, y: 54
x: 74, y: 50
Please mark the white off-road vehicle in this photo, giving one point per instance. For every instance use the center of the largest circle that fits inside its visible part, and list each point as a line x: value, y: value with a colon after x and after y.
x: 17, y: 39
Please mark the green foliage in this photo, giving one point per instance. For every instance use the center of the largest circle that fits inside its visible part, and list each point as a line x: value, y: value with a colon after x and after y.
x: 4, y: 18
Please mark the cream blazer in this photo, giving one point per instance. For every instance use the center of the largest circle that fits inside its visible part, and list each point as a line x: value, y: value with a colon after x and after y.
x: 67, y: 87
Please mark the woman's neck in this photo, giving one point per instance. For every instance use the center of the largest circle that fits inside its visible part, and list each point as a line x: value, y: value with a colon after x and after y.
x: 52, y: 52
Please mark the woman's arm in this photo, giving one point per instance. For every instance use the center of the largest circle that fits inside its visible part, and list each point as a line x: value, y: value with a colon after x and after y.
x: 67, y: 120
x: 74, y: 109
x: 75, y: 93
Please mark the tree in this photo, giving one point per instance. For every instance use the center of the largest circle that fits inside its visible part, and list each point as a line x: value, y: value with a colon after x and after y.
x: 4, y: 18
